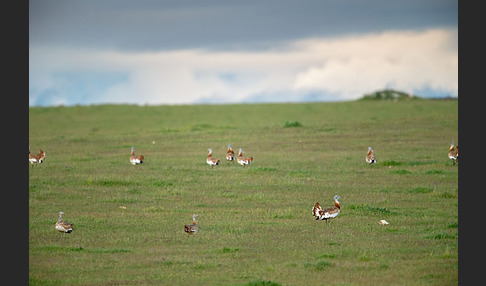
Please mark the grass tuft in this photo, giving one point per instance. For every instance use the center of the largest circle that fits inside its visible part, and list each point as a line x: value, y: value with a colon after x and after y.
x: 229, y: 250
x: 400, y: 172
x: 420, y: 190
x: 442, y: 235
x: 263, y: 283
x: 319, y: 266
x: 327, y: 255
x: 368, y: 209
x: 292, y: 124
x: 434, y: 172
x: 391, y: 163
x: 110, y: 182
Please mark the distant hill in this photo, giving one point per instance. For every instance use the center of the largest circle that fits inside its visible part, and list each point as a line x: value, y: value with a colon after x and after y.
x: 389, y: 94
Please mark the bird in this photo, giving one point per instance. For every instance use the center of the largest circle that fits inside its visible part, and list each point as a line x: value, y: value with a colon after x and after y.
x: 243, y: 161
x: 327, y: 213
x: 193, y: 227
x: 230, y: 155
x: 134, y: 159
x: 370, y: 157
x: 453, y: 154
x: 62, y: 226
x: 36, y: 159
x: 210, y: 160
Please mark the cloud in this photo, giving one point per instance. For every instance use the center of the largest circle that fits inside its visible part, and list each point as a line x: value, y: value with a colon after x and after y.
x: 340, y: 68
x: 406, y: 61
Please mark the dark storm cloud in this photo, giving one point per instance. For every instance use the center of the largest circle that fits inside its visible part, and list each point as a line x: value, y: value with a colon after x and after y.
x: 162, y: 25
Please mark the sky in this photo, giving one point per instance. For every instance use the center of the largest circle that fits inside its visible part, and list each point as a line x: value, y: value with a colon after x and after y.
x: 224, y: 52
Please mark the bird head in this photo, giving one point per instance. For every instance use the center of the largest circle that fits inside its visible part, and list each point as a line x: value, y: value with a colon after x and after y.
x: 336, y: 197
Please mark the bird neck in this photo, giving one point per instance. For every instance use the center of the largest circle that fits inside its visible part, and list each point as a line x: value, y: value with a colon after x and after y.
x: 336, y: 203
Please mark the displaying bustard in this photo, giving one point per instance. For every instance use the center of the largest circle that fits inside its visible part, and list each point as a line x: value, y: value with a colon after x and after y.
x: 192, y: 228
x: 453, y: 154
x: 370, y: 157
x: 243, y: 161
x: 36, y: 159
x: 327, y: 213
x: 210, y: 160
x: 134, y: 159
x: 230, y: 154
x: 63, y: 226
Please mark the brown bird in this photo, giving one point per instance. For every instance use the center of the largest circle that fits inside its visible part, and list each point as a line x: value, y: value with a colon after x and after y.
x: 370, y: 157
x: 62, y: 226
x: 243, y: 161
x: 192, y: 228
x: 134, y: 159
x: 327, y: 213
x: 36, y: 159
x: 230, y: 155
x: 210, y: 160
x: 453, y: 154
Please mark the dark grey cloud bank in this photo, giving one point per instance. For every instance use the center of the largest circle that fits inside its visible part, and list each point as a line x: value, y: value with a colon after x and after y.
x: 161, y: 25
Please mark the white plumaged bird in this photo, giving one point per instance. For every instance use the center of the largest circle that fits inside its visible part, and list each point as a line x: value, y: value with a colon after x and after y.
x: 453, y: 154
x: 327, y: 213
x: 36, y: 159
x: 370, y: 157
x: 134, y: 159
x: 62, y: 226
x: 230, y: 154
x: 210, y: 160
x: 243, y: 161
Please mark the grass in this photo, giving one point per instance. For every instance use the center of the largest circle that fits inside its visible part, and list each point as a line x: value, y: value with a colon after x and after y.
x: 255, y: 222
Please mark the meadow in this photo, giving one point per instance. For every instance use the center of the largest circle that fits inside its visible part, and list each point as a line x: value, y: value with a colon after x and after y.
x: 255, y: 222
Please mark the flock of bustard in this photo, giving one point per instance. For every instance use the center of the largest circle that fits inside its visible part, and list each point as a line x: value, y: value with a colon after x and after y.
x: 317, y: 211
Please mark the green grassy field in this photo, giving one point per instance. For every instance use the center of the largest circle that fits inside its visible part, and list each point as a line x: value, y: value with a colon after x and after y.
x: 256, y: 226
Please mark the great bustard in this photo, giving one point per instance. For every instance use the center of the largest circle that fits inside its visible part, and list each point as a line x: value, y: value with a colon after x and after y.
x: 230, y: 154
x: 192, y: 228
x: 327, y: 213
x: 453, y: 154
x: 134, y: 159
x: 63, y: 226
x: 36, y: 159
x: 210, y: 160
x: 243, y: 161
x: 370, y: 157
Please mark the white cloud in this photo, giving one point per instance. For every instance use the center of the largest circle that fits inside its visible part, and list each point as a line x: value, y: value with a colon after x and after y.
x: 346, y: 67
